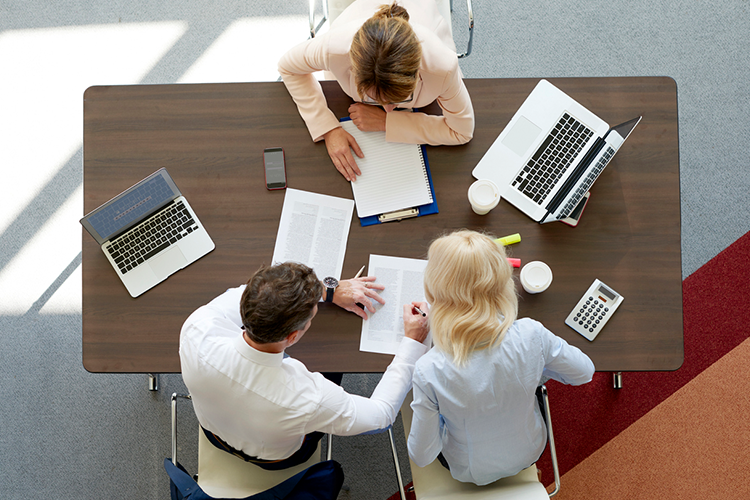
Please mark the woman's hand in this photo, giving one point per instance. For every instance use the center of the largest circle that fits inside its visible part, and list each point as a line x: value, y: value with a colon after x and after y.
x: 367, y: 118
x: 356, y: 295
x: 340, y: 144
x: 416, y: 326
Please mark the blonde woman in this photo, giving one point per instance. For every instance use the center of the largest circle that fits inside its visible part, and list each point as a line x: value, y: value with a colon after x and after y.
x: 384, y: 57
x: 474, y: 405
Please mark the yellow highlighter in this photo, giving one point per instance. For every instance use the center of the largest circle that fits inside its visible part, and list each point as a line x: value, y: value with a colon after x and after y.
x: 509, y: 240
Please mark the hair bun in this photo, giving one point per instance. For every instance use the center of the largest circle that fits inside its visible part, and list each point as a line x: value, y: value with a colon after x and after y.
x: 392, y: 10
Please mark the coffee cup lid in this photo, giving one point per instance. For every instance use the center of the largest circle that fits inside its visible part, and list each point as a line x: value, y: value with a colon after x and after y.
x: 484, y: 192
x: 536, y: 274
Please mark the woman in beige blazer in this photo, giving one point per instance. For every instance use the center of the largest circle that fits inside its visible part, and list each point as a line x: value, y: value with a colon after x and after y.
x: 395, y: 56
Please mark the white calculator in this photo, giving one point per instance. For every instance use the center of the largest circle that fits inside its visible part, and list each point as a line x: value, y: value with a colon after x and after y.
x: 594, y: 309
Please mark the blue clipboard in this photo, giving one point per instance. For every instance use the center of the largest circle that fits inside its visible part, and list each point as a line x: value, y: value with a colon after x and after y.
x: 427, y: 209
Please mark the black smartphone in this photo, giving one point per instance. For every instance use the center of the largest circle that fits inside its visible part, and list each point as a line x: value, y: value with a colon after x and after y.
x: 275, y: 166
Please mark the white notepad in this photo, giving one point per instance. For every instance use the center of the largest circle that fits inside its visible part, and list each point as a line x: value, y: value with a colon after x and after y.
x: 394, y: 175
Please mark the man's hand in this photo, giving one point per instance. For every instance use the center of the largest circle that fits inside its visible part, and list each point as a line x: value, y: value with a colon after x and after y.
x: 367, y: 118
x: 340, y: 144
x: 356, y: 291
x: 416, y: 326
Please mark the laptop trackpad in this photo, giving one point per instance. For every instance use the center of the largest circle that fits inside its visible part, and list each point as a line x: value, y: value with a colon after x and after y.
x: 168, y: 262
x: 521, y: 136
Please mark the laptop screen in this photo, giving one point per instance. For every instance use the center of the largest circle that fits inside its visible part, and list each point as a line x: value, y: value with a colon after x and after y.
x: 131, y: 206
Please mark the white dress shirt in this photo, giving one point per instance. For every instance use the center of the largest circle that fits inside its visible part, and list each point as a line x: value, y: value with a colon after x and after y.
x: 484, y: 416
x: 264, y: 404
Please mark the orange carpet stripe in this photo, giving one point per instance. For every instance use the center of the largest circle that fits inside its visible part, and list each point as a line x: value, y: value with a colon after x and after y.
x: 693, y: 445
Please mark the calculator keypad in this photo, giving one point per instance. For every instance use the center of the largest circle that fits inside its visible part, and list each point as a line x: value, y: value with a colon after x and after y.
x: 591, y: 314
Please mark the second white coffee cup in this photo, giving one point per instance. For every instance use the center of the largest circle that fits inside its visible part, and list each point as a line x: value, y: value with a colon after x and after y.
x: 536, y: 277
x: 483, y: 196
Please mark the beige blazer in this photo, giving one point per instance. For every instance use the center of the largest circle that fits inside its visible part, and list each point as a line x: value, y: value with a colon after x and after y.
x: 440, y: 78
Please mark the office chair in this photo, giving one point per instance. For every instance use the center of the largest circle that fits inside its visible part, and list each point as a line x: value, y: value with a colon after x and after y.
x: 333, y: 8
x: 435, y: 482
x: 222, y: 475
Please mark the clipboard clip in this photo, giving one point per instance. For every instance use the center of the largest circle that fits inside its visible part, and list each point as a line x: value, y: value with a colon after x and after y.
x: 397, y: 215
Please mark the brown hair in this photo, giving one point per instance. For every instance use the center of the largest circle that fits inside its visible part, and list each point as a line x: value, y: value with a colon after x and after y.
x: 279, y: 300
x: 385, y: 55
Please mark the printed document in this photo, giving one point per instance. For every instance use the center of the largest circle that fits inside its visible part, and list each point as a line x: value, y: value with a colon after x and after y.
x: 314, y: 230
x: 403, y: 280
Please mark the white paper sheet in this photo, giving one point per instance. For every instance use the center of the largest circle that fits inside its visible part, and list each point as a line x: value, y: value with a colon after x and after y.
x: 403, y: 279
x: 313, y: 230
x: 393, y: 174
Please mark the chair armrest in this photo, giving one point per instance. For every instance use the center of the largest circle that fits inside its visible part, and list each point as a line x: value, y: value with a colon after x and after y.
x: 311, y: 17
x: 551, y: 438
x: 471, y: 30
x: 174, y: 423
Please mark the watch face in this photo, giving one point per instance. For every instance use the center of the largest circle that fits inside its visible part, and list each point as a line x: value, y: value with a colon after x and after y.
x: 330, y: 282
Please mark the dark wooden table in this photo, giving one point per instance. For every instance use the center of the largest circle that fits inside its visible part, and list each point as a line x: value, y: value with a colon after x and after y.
x: 211, y: 138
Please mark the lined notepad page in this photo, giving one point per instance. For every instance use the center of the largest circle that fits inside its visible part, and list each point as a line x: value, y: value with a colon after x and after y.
x: 394, y: 176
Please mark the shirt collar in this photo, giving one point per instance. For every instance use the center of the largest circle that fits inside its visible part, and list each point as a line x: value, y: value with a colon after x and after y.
x: 256, y: 356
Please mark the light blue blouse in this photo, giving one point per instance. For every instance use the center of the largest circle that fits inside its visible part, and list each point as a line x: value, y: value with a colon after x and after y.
x: 484, y: 416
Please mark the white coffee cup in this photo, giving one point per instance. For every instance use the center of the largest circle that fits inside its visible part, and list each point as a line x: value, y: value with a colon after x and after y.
x: 483, y: 196
x: 536, y: 277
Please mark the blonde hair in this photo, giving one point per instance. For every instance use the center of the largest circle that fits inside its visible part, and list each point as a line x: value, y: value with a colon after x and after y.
x: 385, y: 55
x: 469, y: 283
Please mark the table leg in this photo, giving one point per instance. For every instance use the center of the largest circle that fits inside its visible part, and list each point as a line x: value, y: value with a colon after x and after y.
x: 153, y: 381
x: 617, y: 379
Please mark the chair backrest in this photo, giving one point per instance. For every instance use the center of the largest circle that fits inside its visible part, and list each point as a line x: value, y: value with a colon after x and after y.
x: 435, y: 482
x: 223, y: 475
x: 336, y: 7
x: 333, y: 9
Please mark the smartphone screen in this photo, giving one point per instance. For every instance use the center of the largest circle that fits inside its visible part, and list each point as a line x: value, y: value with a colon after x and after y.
x: 273, y: 159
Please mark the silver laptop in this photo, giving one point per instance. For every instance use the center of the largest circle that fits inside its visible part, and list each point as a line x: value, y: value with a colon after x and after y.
x: 148, y: 232
x: 550, y: 153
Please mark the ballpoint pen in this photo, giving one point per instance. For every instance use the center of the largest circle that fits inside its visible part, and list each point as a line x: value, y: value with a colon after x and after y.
x: 420, y: 311
x: 359, y: 273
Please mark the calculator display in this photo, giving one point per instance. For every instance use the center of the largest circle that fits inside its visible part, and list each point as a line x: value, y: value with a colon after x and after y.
x: 607, y: 293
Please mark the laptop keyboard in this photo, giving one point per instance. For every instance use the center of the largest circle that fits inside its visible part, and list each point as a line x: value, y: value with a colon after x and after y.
x: 585, y: 184
x: 552, y: 159
x: 151, y: 236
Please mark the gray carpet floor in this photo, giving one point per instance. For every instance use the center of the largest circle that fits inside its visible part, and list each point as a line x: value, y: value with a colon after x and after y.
x: 72, y: 434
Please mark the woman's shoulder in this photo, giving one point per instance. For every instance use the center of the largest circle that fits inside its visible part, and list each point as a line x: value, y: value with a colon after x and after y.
x: 525, y: 328
x: 338, y: 40
x: 433, y: 360
x: 527, y: 323
x: 437, y: 58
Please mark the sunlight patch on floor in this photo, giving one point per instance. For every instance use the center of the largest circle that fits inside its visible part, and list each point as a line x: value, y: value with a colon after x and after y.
x: 43, y: 258
x: 243, y: 52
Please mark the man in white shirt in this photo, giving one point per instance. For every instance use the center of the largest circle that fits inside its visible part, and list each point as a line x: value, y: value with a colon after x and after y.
x: 253, y: 400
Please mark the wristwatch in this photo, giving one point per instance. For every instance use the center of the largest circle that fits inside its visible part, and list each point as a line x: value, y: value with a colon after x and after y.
x: 331, y: 284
